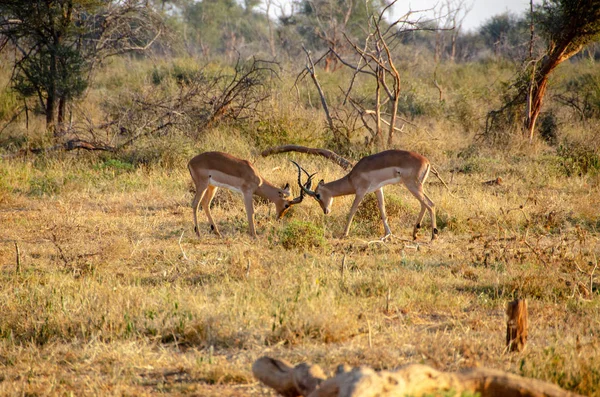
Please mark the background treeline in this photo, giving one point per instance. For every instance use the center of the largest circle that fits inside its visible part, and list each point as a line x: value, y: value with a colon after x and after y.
x: 112, y: 76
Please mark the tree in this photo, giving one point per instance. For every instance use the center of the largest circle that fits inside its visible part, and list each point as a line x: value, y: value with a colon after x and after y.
x: 58, y: 43
x: 223, y: 26
x: 324, y: 23
x: 567, y: 25
x: 505, y: 35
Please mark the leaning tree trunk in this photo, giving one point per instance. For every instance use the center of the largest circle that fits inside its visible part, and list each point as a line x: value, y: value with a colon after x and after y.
x: 539, y: 83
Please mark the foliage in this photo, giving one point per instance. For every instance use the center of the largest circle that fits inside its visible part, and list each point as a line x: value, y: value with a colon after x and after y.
x: 580, y: 157
x: 571, y: 24
x: 567, y: 26
x: 581, y: 94
x: 59, y: 43
x: 224, y: 26
x: 506, y: 35
x: 302, y: 235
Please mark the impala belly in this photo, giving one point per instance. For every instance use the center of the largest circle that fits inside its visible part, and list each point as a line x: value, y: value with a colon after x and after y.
x: 219, y: 179
x: 382, y: 177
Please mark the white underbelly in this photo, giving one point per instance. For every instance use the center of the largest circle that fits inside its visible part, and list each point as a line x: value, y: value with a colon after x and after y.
x: 375, y: 185
x: 212, y: 182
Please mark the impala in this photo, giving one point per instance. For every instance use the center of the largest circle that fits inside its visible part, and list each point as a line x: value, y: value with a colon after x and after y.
x: 212, y: 170
x: 371, y: 174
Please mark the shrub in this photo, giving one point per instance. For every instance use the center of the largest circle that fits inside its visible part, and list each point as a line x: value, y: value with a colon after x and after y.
x: 302, y: 235
x: 579, y: 157
x: 369, y: 210
x: 44, y: 185
x: 548, y: 128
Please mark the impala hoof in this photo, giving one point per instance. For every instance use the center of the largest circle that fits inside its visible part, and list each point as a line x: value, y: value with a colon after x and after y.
x: 435, y: 231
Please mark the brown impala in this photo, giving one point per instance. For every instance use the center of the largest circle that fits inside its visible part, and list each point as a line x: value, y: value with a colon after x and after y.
x: 212, y: 170
x: 371, y: 174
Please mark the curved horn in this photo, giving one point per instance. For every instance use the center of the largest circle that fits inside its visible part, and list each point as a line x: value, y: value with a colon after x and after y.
x: 304, y: 189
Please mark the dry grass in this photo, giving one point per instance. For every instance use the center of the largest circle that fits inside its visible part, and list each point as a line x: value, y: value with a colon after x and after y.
x: 114, y: 294
x: 110, y: 299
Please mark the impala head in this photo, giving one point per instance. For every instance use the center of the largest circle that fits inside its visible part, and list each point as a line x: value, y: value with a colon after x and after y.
x: 321, y: 193
x: 284, y: 201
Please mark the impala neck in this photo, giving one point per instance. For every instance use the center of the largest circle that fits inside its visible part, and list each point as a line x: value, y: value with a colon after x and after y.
x: 267, y: 191
x: 340, y: 187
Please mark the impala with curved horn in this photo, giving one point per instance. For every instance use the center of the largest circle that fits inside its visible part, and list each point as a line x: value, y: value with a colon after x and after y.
x: 212, y: 170
x: 371, y: 174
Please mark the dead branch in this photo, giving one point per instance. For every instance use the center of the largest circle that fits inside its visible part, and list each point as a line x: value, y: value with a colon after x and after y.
x: 310, y: 68
x: 437, y: 174
x: 18, y: 258
x: 415, y: 379
x: 328, y: 154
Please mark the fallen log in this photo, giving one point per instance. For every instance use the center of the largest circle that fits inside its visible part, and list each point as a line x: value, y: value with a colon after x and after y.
x: 411, y: 380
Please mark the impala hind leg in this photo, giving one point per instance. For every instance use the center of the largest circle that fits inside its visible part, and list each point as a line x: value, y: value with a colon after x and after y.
x: 248, y: 203
x: 381, y: 205
x: 200, y: 191
x: 206, y: 200
x: 357, y: 199
x: 416, y: 188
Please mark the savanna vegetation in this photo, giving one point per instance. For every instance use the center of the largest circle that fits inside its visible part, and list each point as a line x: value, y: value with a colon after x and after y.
x: 106, y: 290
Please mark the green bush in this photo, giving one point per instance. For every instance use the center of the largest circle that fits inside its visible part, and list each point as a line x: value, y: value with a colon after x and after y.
x: 302, y: 235
x: 579, y: 157
x: 44, y: 185
x: 369, y: 209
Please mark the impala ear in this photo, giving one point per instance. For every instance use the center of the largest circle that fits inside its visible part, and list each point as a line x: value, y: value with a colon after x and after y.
x: 286, y: 187
x: 321, y: 182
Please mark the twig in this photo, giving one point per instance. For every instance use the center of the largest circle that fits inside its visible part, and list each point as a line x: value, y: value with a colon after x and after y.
x: 18, y: 252
x: 310, y: 67
x: 181, y: 247
x: 535, y: 252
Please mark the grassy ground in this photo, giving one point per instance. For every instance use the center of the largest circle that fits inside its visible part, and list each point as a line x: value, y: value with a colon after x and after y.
x: 114, y: 295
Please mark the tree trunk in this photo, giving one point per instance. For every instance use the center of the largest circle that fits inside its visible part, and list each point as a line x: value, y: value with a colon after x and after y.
x: 60, y: 120
x: 540, y: 83
x: 51, y: 112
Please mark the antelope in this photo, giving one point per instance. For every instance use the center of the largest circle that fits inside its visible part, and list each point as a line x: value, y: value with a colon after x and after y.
x: 371, y: 174
x: 212, y: 170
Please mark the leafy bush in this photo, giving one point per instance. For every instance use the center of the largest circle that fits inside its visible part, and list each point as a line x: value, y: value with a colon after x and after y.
x: 579, y: 157
x: 369, y: 210
x: 302, y: 235
x: 44, y: 185
x: 548, y: 128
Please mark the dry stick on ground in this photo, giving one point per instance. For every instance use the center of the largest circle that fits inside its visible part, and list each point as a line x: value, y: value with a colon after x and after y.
x: 415, y: 379
x: 516, y: 325
x: 18, y: 253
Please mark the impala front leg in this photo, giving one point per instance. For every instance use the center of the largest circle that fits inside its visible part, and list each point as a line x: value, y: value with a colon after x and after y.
x: 250, y: 212
x: 206, y: 200
x: 357, y: 200
x: 381, y: 205
x: 200, y: 192
x: 416, y: 188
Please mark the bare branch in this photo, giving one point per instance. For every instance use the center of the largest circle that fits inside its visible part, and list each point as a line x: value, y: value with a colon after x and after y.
x: 328, y: 154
